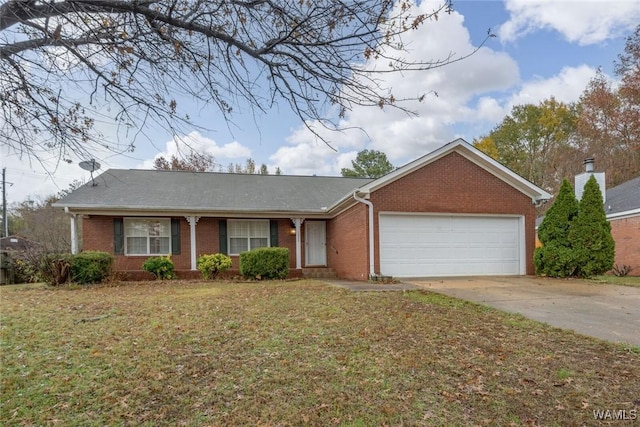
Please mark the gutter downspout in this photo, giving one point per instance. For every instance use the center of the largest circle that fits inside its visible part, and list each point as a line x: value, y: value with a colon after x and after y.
x: 371, y: 246
x: 74, y: 232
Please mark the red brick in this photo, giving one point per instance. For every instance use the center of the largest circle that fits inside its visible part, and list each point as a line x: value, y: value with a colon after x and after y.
x: 626, y: 233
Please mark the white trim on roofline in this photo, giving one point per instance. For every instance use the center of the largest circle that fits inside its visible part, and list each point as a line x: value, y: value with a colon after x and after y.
x: 168, y: 212
x: 470, y: 153
x: 624, y: 214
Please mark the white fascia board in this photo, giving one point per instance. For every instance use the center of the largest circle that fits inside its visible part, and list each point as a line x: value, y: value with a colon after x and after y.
x: 155, y: 211
x: 624, y: 214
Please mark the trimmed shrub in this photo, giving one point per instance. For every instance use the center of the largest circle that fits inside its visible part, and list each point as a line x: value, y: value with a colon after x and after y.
x: 554, y: 260
x: 265, y: 263
x: 555, y: 257
x: 590, y: 234
x: 555, y: 226
x: 161, y: 267
x: 91, y: 267
x: 212, y: 265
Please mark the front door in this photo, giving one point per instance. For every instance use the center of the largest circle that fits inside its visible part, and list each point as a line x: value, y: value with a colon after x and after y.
x: 315, y: 243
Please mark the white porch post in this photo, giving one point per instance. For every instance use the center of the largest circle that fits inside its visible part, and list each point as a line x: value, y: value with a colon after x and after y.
x: 298, y: 222
x: 74, y: 233
x: 193, y: 220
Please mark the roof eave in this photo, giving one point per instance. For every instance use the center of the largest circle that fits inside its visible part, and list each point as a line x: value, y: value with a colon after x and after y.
x: 164, y: 211
x: 623, y: 214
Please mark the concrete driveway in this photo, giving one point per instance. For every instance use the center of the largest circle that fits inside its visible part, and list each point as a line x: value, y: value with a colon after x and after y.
x: 603, y: 311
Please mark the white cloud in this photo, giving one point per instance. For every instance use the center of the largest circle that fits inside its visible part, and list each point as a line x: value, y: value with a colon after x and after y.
x: 566, y: 86
x: 402, y: 136
x: 181, y: 146
x: 579, y: 21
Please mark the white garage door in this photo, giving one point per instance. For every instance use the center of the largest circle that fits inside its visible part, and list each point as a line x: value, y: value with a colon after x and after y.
x: 450, y: 245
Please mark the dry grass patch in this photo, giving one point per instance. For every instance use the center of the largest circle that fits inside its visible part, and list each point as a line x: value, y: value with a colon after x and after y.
x: 618, y: 280
x: 291, y: 353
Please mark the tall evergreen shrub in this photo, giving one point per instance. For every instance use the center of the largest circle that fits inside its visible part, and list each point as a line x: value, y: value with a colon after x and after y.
x: 590, y: 234
x: 555, y: 258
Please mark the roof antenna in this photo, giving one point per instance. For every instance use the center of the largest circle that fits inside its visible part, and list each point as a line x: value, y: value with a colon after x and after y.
x: 91, y: 166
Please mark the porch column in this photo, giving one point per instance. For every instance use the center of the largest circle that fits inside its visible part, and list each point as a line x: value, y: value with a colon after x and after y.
x: 298, y: 222
x: 74, y: 233
x: 193, y: 220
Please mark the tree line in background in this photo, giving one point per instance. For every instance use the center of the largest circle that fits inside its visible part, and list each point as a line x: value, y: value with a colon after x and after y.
x: 36, y: 220
x: 205, y: 162
x: 547, y: 142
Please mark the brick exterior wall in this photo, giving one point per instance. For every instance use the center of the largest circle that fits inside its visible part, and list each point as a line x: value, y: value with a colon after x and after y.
x: 626, y: 233
x: 454, y: 184
x: 97, y: 234
x: 347, y: 249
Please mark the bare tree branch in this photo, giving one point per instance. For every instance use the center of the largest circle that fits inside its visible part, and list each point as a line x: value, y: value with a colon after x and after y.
x: 66, y: 65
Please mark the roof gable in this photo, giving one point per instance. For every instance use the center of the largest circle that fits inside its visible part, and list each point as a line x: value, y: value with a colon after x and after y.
x: 474, y: 155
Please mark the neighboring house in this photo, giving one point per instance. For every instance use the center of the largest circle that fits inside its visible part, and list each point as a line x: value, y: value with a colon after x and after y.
x: 452, y: 212
x: 623, y: 212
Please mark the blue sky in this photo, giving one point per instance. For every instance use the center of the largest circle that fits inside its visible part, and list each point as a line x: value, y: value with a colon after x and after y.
x: 543, y: 48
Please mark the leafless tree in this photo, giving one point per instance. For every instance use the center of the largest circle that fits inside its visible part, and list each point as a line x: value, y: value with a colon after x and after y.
x: 194, y: 162
x: 67, y: 66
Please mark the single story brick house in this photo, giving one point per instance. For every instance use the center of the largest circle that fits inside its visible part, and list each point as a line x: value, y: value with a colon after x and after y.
x: 452, y: 212
x: 622, y: 207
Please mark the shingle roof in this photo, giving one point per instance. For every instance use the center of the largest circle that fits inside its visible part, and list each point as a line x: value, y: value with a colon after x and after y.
x: 210, y: 192
x: 624, y: 197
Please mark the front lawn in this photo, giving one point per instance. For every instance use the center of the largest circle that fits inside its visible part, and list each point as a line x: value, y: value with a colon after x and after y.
x: 294, y: 353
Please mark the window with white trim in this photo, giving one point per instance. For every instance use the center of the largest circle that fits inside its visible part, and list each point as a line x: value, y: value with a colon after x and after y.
x: 143, y: 236
x: 245, y: 234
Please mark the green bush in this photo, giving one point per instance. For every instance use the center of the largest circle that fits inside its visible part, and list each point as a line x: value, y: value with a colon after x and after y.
x: 25, y: 271
x: 91, y: 267
x: 212, y: 265
x: 590, y: 234
x: 576, y: 237
x: 161, y: 267
x: 265, y: 263
x: 556, y: 258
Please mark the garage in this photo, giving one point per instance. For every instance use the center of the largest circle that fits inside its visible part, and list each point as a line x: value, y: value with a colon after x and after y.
x: 419, y: 245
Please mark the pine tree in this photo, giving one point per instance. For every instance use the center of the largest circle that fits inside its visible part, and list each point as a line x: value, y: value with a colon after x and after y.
x: 590, y: 234
x: 555, y: 258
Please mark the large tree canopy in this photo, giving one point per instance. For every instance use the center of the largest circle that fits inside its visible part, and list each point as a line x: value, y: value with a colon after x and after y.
x: 534, y: 141
x: 369, y: 164
x: 609, y: 121
x: 66, y: 66
x: 549, y: 141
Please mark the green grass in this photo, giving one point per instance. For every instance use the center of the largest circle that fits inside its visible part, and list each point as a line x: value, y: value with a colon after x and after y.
x: 616, y: 280
x: 292, y: 353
